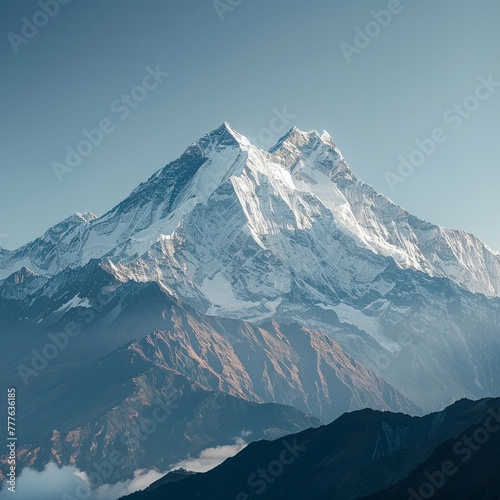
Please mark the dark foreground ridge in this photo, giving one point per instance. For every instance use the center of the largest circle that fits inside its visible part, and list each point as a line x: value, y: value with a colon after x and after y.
x: 356, y: 456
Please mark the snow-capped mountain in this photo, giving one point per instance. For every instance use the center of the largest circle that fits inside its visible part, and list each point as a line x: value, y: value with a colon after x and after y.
x: 266, y: 276
x: 291, y: 235
x: 303, y: 178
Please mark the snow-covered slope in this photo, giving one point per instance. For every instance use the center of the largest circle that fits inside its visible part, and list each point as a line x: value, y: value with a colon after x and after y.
x: 380, y: 225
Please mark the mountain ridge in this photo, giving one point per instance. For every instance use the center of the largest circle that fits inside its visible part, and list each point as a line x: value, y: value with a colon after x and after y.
x: 350, y: 458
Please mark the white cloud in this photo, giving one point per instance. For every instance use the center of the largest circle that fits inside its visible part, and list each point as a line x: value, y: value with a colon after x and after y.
x: 69, y: 483
x: 49, y: 484
x: 141, y: 480
x: 211, y: 457
x: 54, y: 482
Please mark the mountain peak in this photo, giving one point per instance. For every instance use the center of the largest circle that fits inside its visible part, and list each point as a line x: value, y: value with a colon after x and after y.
x: 78, y: 218
x: 310, y: 153
x: 222, y: 137
x: 304, y: 140
x: 20, y: 276
x: 86, y: 216
x: 327, y: 138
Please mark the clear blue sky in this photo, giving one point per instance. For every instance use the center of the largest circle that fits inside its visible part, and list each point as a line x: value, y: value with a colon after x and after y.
x: 263, y: 55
